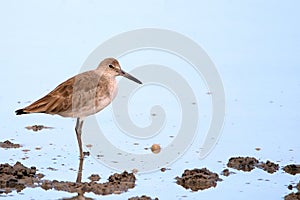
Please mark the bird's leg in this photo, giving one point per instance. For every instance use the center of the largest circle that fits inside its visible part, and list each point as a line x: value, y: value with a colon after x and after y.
x: 78, y: 130
x: 79, y: 173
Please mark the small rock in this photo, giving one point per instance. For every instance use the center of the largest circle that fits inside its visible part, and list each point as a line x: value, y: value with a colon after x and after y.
x: 155, y: 148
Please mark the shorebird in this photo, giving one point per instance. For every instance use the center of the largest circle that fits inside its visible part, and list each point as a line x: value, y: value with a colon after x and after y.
x: 82, y: 95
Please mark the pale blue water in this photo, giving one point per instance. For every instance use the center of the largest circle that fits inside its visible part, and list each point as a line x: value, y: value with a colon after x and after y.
x: 255, y: 46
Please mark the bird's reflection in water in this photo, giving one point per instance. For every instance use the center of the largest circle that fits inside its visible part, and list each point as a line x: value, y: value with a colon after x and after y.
x: 80, y: 194
x: 117, y: 183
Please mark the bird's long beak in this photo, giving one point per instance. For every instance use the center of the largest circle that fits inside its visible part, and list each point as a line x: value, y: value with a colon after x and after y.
x: 125, y: 74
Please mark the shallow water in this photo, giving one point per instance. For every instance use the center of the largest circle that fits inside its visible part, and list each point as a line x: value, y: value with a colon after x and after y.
x: 256, y: 55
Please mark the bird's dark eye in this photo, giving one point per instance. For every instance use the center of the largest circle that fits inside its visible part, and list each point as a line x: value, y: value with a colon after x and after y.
x: 111, y: 66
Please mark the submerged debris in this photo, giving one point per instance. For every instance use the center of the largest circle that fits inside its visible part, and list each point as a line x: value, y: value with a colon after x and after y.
x: 37, y: 127
x: 292, y: 169
x: 17, y: 177
x: 8, y: 144
x: 117, y: 183
x: 198, y: 179
x: 164, y: 169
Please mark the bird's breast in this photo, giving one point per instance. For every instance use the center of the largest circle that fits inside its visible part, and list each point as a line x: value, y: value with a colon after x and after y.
x: 105, y: 94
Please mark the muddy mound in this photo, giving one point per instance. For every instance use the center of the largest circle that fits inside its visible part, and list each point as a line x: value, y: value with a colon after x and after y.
x: 242, y: 163
x: 249, y: 163
x: 144, y: 197
x: 117, y: 183
x: 198, y: 179
x: 8, y: 144
x: 292, y: 169
x: 268, y: 166
x: 292, y: 196
x: 17, y: 177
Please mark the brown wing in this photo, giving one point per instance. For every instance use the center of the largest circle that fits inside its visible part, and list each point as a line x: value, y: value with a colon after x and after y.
x: 59, y: 100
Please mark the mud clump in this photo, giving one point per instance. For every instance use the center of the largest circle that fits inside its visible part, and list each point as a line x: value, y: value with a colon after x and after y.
x: 292, y: 169
x: 117, y: 183
x: 294, y: 196
x: 249, y: 163
x: 242, y: 163
x: 94, y: 177
x: 226, y: 172
x: 8, y: 144
x: 268, y: 166
x: 143, y: 197
x: 198, y: 179
x: 17, y: 177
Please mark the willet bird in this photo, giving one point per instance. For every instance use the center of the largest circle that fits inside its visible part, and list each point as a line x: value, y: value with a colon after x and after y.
x: 82, y: 95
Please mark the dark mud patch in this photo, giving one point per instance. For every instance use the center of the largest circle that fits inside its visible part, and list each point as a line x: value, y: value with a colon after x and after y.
x: 247, y: 164
x: 294, y: 196
x: 198, y: 179
x: 292, y: 169
x: 37, y: 127
x: 17, y: 177
x: 8, y: 144
x: 143, y: 197
x: 117, y: 184
x: 268, y: 166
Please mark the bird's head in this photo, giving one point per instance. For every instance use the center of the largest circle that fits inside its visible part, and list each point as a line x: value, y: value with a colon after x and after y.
x: 112, y: 67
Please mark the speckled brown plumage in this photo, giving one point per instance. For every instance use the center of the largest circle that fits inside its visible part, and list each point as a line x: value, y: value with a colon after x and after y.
x: 82, y: 95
